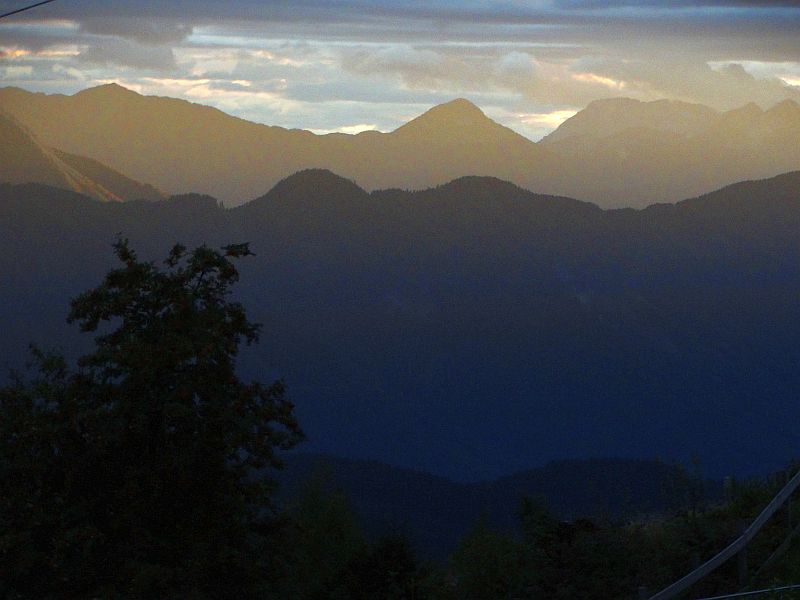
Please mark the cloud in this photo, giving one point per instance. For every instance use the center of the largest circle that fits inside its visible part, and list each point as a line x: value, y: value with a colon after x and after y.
x: 330, y: 65
x: 349, y: 129
x: 417, y: 21
x: 415, y: 66
x: 127, y: 54
x: 37, y: 38
x: 16, y: 72
x: 442, y: 69
x: 139, y: 29
x: 569, y: 83
x: 603, y: 4
x: 516, y: 71
x: 728, y: 86
x: 71, y: 72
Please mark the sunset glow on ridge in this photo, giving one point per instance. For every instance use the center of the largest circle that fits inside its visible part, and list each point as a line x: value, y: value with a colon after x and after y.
x: 313, y: 66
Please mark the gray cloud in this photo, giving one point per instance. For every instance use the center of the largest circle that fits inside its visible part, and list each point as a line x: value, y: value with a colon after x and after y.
x: 693, y: 80
x: 569, y: 82
x: 428, y: 69
x: 143, y: 30
x: 516, y: 71
x: 409, y: 15
x: 124, y: 53
x: 603, y: 4
x: 768, y: 29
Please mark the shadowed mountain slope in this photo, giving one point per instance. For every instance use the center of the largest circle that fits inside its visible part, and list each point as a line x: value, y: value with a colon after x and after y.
x: 122, y: 186
x: 23, y: 159
x: 475, y: 329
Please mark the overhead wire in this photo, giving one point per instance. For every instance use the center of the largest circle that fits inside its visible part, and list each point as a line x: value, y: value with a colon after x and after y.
x: 24, y: 8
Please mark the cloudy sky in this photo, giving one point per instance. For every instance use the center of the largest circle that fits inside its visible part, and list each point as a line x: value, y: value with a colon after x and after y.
x: 350, y: 65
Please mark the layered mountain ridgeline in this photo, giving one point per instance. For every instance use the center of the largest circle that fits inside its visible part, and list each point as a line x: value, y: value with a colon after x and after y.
x: 23, y: 160
x: 474, y: 329
x: 617, y: 152
x: 202, y: 149
x: 436, y: 513
x: 664, y: 150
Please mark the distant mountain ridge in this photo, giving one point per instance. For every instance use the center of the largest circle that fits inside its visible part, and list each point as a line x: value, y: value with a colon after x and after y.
x: 655, y: 149
x: 436, y: 512
x: 616, y: 152
x: 476, y: 328
x: 604, y: 118
x: 24, y: 160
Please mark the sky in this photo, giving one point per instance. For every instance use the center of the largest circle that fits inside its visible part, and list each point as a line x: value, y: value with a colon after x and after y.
x: 353, y: 65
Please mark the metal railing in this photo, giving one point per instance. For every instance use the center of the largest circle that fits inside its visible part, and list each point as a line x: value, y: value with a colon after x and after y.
x: 737, y: 547
x: 777, y: 592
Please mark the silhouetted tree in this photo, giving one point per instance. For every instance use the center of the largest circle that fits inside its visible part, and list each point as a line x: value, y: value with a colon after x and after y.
x: 140, y: 474
x: 487, y: 565
x: 323, y: 537
x: 386, y: 570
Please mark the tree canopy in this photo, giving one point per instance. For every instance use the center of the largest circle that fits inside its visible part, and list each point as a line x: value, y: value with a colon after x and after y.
x: 141, y: 473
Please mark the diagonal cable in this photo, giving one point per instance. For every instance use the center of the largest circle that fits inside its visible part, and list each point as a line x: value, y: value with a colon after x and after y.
x: 24, y: 8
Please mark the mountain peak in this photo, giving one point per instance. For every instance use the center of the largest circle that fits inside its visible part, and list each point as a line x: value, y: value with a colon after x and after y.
x: 611, y: 116
x: 311, y: 186
x: 751, y: 110
x: 457, y: 114
x: 619, y: 103
x: 786, y: 108
x: 459, y: 106
x: 107, y: 90
x: 316, y: 177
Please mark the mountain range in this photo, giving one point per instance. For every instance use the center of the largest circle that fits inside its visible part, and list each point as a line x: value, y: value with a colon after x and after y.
x: 473, y: 329
x: 436, y: 513
x: 616, y: 152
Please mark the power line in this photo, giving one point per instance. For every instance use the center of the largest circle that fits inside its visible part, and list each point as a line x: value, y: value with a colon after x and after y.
x: 19, y: 10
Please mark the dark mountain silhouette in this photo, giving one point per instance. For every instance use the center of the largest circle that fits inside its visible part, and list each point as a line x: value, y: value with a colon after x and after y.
x: 436, y: 512
x: 23, y: 159
x: 315, y: 189
x: 474, y: 329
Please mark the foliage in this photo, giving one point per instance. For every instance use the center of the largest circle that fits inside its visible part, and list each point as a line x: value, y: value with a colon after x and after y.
x: 140, y: 473
x: 487, y: 565
x: 328, y: 557
x: 386, y: 569
x: 605, y: 559
x: 321, y: 540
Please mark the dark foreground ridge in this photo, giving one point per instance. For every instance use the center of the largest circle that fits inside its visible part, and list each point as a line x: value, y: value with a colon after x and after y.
x: 436, y: 513
x: 475, y: 329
